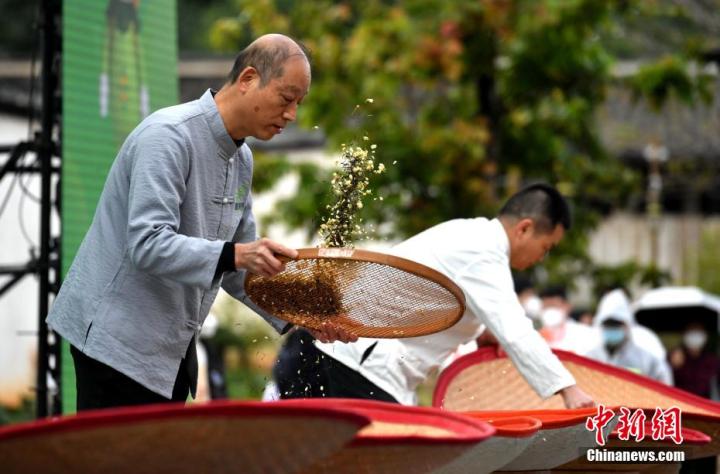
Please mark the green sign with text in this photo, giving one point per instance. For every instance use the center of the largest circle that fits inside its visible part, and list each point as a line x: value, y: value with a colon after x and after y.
x: 119, y: 64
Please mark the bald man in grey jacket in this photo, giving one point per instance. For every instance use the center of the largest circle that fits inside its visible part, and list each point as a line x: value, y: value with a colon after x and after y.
x: 174, y: 223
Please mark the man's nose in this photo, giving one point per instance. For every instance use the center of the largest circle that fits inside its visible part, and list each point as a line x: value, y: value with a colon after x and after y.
x: 290, y: 112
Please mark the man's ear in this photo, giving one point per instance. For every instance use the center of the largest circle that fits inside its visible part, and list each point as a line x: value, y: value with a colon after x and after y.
x: 525, y: 226
x: 247, y: 78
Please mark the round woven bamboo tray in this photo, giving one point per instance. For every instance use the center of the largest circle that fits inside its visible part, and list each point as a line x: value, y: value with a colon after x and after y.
x: 369, y: 294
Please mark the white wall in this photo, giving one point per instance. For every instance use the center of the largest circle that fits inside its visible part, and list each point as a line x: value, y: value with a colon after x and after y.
x: 18, y: 306
x: 624, y: 237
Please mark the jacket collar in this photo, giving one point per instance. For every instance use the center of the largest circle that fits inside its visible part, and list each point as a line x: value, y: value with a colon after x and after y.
x: 228, y: 146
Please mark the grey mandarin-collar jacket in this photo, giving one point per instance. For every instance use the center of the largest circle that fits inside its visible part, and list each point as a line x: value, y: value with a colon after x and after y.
x: 143, y: 281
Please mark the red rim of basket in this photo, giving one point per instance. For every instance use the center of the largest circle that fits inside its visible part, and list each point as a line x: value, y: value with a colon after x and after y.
x: 549, y: 419
x: 466, y: 430
x: 512, y: 426
x: 490, y: 353
x: 127, y: 415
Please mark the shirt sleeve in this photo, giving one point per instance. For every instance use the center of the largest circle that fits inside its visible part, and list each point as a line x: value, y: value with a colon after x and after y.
x: 234, y: 283
x: 226, y: 262
x: 157, y: 188
x: 490, y: 294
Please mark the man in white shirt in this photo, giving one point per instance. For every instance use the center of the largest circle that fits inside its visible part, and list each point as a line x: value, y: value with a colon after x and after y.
x: 477, y: 254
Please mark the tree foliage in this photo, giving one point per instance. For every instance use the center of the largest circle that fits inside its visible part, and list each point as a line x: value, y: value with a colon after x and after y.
x: 471, y: 101
x: 703, y: 261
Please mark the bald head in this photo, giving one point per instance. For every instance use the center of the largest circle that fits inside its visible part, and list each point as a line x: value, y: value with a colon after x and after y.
x: 276, y: 40
x: 268, y: 55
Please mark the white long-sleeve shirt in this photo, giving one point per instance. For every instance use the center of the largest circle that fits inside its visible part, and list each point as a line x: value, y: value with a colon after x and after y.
x: 475, y: 254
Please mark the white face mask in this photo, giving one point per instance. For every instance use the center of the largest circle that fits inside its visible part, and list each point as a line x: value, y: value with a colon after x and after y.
x: 695, y: 339
x: 533, y: 307
x: 552, y: 317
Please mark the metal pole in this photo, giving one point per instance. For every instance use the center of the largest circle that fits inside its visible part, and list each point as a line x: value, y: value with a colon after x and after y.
x: 45, y: 155
x: 16, y: 152
x: 655, y: 154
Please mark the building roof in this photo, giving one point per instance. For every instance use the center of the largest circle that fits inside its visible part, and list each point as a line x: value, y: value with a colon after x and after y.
x: 627, y: 125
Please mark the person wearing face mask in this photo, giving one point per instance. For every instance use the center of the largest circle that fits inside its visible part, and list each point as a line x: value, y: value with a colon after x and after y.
x: 618, y: 348
x: 527, y: 296
x: 558, y: 328
x: 643, y: 336
x: 695, y: 367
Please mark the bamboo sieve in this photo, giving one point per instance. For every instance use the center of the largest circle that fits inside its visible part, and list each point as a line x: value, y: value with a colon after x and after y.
x: 367, y: 293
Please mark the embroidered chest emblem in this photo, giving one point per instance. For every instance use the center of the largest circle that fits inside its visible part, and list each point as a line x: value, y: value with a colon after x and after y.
x: 240, y: 195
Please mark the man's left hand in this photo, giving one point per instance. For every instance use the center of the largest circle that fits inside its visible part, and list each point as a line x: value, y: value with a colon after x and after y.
x: 331, y: 333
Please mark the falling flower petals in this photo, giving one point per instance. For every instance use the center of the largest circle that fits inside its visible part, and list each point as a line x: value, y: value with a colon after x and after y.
x: 349, y: 185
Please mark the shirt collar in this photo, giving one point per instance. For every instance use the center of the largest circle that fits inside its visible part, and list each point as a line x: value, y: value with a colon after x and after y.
x: 228, y: 146
x: 502, y: 240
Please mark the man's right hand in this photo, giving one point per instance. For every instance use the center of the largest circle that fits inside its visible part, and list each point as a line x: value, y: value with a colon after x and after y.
x: 260, y: 257
x: 574, y: 397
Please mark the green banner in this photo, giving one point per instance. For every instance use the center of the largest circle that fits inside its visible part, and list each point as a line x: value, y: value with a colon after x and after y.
x: 119, y: 64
